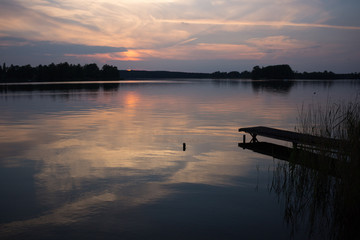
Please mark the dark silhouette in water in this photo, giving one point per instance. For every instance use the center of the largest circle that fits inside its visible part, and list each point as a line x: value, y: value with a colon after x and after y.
x: 275, y: 86
x: 184, y: 146
x: 60, y: 87
x: 320, y: 190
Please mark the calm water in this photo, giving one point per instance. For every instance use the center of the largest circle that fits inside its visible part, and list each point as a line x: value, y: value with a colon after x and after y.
x: 106, y: 161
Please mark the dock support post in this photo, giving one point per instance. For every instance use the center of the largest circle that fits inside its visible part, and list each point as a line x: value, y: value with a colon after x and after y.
x: 254, y: 139
x: 244, y: 138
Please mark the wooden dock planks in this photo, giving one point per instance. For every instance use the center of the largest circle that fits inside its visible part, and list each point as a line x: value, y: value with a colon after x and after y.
x: 289, y: 136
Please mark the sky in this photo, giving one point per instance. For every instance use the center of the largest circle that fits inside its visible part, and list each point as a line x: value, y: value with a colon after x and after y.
x: 183, y: 35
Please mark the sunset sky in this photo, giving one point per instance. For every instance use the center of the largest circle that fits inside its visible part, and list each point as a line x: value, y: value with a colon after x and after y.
x: 183, y: 35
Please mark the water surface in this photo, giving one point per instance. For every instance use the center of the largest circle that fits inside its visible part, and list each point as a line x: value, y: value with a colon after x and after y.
x: 106, y: 160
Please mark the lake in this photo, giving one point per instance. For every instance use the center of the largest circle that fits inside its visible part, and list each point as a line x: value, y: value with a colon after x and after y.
x: 107, y: 160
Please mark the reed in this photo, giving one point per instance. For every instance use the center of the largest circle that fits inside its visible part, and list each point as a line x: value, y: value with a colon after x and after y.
x: 328, y: 204
x: 334, y: 120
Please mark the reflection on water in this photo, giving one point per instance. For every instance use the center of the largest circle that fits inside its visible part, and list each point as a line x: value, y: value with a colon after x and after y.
x: 327, y: 205
x: 84, y: 161
x: 319, y: 191
x: 273, y: 86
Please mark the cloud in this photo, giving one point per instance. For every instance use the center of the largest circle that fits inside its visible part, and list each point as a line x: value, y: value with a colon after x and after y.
x: 46, y: 47
x: 256, y: 23
x: 32, y: 50
x: 129, y: 55
x: 200, y: 51
x: 144, y: 30
x: 278, y: 46
x: 145, y: 24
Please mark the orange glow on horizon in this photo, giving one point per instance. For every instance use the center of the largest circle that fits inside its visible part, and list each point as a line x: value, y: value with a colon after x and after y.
x: 130, y: 55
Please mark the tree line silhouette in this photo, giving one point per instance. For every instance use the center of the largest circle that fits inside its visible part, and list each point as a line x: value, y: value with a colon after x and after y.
x: 58, y: 72
x: 281, y: 72
x: 90, y: 72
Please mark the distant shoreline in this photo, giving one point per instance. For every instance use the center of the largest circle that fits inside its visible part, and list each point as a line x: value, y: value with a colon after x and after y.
x: 64, y: 72
x: 152, y: 75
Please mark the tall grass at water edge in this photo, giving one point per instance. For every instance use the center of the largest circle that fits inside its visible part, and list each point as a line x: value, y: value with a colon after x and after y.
x: 327, y: 203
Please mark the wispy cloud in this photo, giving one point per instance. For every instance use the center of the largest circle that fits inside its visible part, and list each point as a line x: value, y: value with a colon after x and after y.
x: 201, y: 51
x: 129, y: 55
x: 255, y: 23
x: 27, y: 50
x: 275, y: 47
x: 41, y: 47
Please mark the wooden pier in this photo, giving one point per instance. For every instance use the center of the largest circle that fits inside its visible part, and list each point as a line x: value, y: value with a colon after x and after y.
x: 294, y: 137
x: 316, y: 160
